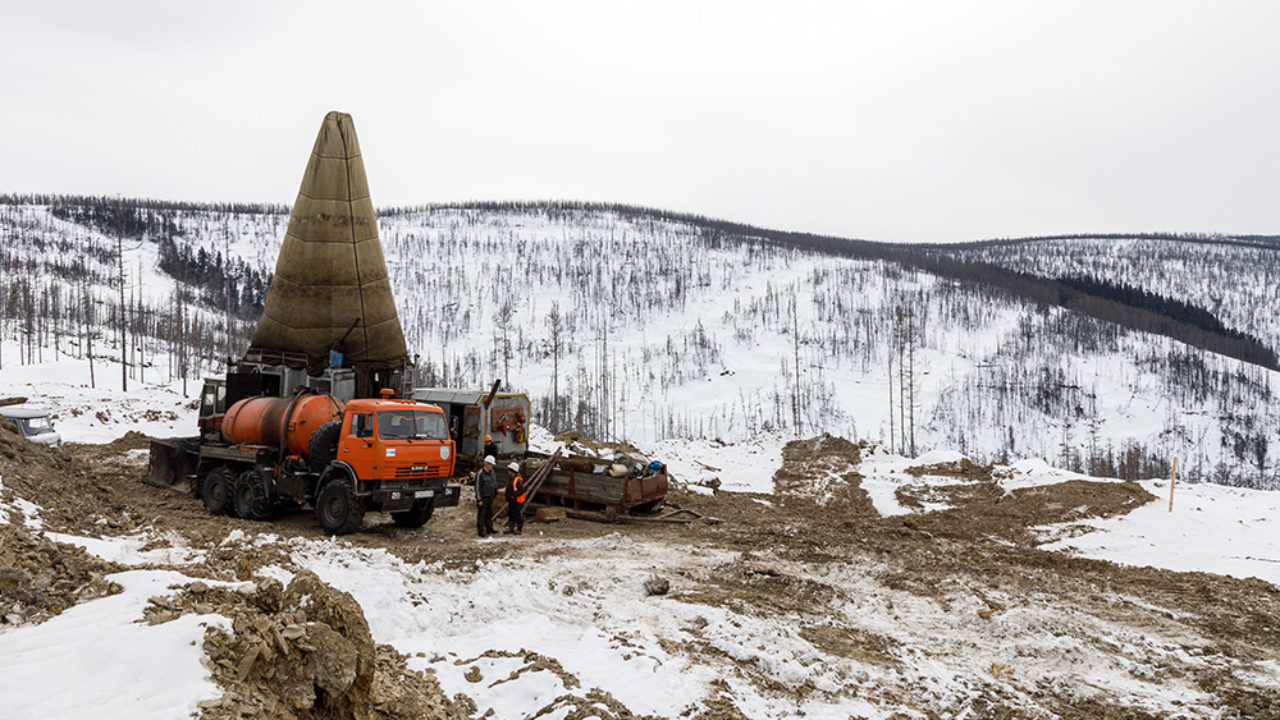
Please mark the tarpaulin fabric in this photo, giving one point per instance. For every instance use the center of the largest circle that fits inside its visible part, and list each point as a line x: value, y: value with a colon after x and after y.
x: 331, y: 273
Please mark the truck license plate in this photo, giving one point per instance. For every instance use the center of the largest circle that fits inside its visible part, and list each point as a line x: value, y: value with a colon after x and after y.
x: 424, y: 494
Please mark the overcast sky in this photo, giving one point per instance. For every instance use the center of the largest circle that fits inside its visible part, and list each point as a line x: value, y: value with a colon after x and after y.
x: 903, y: 121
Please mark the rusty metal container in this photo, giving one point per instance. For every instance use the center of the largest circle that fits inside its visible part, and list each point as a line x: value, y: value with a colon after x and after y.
x: 262, y: 421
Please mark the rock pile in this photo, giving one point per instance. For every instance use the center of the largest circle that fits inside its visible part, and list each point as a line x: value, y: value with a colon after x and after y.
x: 303, y: 651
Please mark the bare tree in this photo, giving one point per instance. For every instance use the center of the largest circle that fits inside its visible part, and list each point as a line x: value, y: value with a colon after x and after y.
x: 911, y: 378
x: 124, y: 358
x: 502, y: 318
x: 555, y: 324
x: 795, y: 343
x: 88, y: 329
x: 892, y: 439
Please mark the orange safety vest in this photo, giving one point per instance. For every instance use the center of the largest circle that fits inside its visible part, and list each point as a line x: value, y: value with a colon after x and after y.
x: 517, y: 485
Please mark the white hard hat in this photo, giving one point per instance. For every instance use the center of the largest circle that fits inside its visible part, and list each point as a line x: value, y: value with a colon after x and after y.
x: 488, y: 460
x: 513, y: 468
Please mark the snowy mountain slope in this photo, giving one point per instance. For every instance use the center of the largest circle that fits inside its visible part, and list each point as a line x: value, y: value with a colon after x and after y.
x: 675, y: 328
x: 1231, y: 278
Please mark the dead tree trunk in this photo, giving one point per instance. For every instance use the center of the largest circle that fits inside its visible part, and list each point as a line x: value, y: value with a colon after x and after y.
x: 124, y: 358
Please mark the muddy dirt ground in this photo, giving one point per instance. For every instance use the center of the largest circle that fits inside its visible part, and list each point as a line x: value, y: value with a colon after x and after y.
x: 980, y: 550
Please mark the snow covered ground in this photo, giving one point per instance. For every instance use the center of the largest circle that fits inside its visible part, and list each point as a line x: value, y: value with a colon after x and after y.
x: 1212, y: 528
x: 517, y: 633
x: 742, y: 467
x: 97, y: 660
x: 514, y: 634
x: 101, y: 413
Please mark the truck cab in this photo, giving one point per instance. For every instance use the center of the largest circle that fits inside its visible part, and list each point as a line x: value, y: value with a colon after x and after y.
x: 393, y: 456
x: 395, y: 440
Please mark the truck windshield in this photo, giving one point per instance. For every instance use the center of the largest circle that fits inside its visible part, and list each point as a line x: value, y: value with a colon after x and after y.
x: 411, y: 425
x: 37, y: 425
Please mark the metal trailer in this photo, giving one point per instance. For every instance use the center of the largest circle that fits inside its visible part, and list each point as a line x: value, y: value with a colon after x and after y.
x: 472, y: 414
x: 586, y: 484
x: 575, y: 483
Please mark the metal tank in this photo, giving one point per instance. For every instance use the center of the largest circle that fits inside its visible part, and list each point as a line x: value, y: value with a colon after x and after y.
x: 261, y: 420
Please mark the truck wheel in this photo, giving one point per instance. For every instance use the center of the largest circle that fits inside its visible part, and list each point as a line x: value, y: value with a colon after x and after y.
x: 216, y: 490
x: 415, y: 518
x: 251, y: 497
x: 322, y: 448
x: 338, y: 509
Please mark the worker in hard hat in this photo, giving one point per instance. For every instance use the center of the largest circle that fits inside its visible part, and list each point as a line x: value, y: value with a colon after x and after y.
x: 515, y: 500
x: 486, y: 489
x: 490, y: 447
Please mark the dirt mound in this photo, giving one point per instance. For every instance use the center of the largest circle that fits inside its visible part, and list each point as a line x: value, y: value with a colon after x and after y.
x: 303, y: 652
x: 132, y: 440
x: 962, y: 468
x: 62, y: 486
x: 40, y: 578
x: 985, y: 509
x: 822, y: 469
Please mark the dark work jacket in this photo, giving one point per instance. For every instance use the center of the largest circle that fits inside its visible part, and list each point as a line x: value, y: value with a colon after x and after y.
x: 515, y: 486
x: 486, y: 483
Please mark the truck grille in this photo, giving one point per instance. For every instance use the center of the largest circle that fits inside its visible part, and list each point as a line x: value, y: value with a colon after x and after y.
x: 415, y: 472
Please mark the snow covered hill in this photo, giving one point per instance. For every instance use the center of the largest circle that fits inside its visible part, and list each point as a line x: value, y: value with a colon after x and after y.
x: 1232, y: 278
x: 673, y: 327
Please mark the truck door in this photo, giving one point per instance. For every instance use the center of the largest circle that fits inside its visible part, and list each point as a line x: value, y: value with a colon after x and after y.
x: 360, y: 449
x: 471, y: 438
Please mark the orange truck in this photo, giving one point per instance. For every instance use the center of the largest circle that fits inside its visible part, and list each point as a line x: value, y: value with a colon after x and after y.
x: 342, y: 458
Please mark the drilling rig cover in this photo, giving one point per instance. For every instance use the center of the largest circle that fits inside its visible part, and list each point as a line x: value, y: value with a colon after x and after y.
x: 331, y: 285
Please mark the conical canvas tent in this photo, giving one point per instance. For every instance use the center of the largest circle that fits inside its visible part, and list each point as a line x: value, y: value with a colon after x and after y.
x: 331, y: 280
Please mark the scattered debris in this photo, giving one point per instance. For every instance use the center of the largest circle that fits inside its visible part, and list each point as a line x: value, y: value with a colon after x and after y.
x: 657, y: 585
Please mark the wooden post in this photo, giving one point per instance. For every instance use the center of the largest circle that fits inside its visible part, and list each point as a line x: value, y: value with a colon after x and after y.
x: 1172, y: 481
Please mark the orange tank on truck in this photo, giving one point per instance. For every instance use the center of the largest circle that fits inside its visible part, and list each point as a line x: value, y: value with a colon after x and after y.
x: 268, y: 420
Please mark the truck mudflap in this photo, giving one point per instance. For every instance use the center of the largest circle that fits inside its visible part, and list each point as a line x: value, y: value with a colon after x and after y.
x: 448, y: 497
x: 174, y: 463
x: 396, y: 498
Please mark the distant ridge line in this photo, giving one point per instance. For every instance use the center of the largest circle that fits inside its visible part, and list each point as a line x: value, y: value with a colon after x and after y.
x: 933, y: 259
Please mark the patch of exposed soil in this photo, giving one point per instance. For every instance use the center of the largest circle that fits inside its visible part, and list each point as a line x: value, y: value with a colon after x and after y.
x: 962, y: 468
x: 822, y: 469
x: 578, y: 445
x: 984, y: 509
